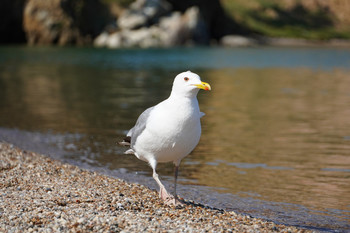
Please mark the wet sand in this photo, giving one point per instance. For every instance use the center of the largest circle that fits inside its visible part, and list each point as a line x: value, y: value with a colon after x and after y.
x: 38, y: 194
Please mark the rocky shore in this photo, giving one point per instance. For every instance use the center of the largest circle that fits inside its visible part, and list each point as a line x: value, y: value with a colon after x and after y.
x: 38, y: 194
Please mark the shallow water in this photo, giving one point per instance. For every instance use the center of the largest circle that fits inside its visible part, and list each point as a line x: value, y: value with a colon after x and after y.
x: 276, y: 135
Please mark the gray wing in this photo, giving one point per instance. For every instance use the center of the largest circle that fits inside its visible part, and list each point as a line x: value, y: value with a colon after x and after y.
x: 139, y: 126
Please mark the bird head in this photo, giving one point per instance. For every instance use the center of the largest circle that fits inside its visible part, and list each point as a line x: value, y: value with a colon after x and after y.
x: 188, y: 84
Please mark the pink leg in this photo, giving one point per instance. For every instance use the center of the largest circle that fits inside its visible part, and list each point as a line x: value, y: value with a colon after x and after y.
x: 163, y: 193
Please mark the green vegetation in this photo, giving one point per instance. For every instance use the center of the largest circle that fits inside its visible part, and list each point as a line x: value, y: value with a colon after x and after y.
x: 276, y: 19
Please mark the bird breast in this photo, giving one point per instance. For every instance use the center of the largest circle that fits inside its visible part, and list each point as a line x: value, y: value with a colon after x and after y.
x: 172, y: 132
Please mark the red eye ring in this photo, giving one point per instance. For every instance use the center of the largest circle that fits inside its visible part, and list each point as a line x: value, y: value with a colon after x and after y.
x: 186, y: 79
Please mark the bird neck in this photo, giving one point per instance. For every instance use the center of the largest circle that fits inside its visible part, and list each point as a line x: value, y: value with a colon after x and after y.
x: 183, y: 102
x: 179, y: 94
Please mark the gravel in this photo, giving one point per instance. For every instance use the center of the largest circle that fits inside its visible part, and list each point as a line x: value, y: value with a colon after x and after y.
x: 38, y: 194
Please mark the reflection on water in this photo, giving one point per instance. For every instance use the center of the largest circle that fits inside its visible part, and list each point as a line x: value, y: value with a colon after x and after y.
x: 270, y: 133
x: 274, y: 131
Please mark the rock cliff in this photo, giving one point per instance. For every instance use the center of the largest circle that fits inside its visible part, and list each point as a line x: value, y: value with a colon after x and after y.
x: 145, y: 23
x: 161, y: 23
x: 64, y: 22
x: 164, y: 23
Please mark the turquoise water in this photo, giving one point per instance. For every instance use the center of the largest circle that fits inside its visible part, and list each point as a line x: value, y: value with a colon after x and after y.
x: 276, y: 135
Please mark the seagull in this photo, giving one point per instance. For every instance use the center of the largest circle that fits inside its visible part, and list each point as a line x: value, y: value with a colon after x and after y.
x: 170, y: 130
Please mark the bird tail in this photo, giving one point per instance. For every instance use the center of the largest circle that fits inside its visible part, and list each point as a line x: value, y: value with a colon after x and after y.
x: 126, y: 141
x: 130, y: 152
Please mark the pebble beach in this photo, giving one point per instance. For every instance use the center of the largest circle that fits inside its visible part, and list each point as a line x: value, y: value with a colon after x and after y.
x: 39, y: 194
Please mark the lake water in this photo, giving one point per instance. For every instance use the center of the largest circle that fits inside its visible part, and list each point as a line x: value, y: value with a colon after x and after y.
x: 275, y: 139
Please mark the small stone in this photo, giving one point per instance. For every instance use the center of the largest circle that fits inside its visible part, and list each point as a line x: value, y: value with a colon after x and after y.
x: 120, y: 206
x: 81, y: 220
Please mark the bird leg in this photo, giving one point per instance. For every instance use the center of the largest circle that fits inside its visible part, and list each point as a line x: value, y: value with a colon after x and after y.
x: 163, y: 194
x: 177, y: 201
x: 176, y: 172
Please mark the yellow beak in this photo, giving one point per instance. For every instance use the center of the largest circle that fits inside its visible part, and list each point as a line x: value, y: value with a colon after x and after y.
x: 204, y: 86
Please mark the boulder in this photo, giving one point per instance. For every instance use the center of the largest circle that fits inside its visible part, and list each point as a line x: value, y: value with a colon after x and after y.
x: 180, y: 28
x: 114, y: 41
x: 171, y: 30
x: 45, y: 22
x: 63, y: 21
x: 102, y: 39
x: 143, y: 13
x: 143, y: 37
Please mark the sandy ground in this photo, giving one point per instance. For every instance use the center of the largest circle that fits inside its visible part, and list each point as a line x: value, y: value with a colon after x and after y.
x: 38, y: 194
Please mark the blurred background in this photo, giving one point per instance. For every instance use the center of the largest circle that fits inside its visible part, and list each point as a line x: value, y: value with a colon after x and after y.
x: 76, y: 74
x: 155, y: 23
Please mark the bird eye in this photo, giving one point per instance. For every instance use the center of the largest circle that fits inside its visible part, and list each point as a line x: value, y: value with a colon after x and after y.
x: 186, y: 79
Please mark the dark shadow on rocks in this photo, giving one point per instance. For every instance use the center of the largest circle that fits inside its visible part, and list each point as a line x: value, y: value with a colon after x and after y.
x: 217, y: 22
x: 11, y: 17
x: 90, y: 16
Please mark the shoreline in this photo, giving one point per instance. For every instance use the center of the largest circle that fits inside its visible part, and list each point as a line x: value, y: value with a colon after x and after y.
x: 42, y: 194
x: 229, y: 41
x: 287, y: 42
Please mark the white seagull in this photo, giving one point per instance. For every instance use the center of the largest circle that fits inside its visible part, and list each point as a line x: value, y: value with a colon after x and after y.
x: 170, y: 130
